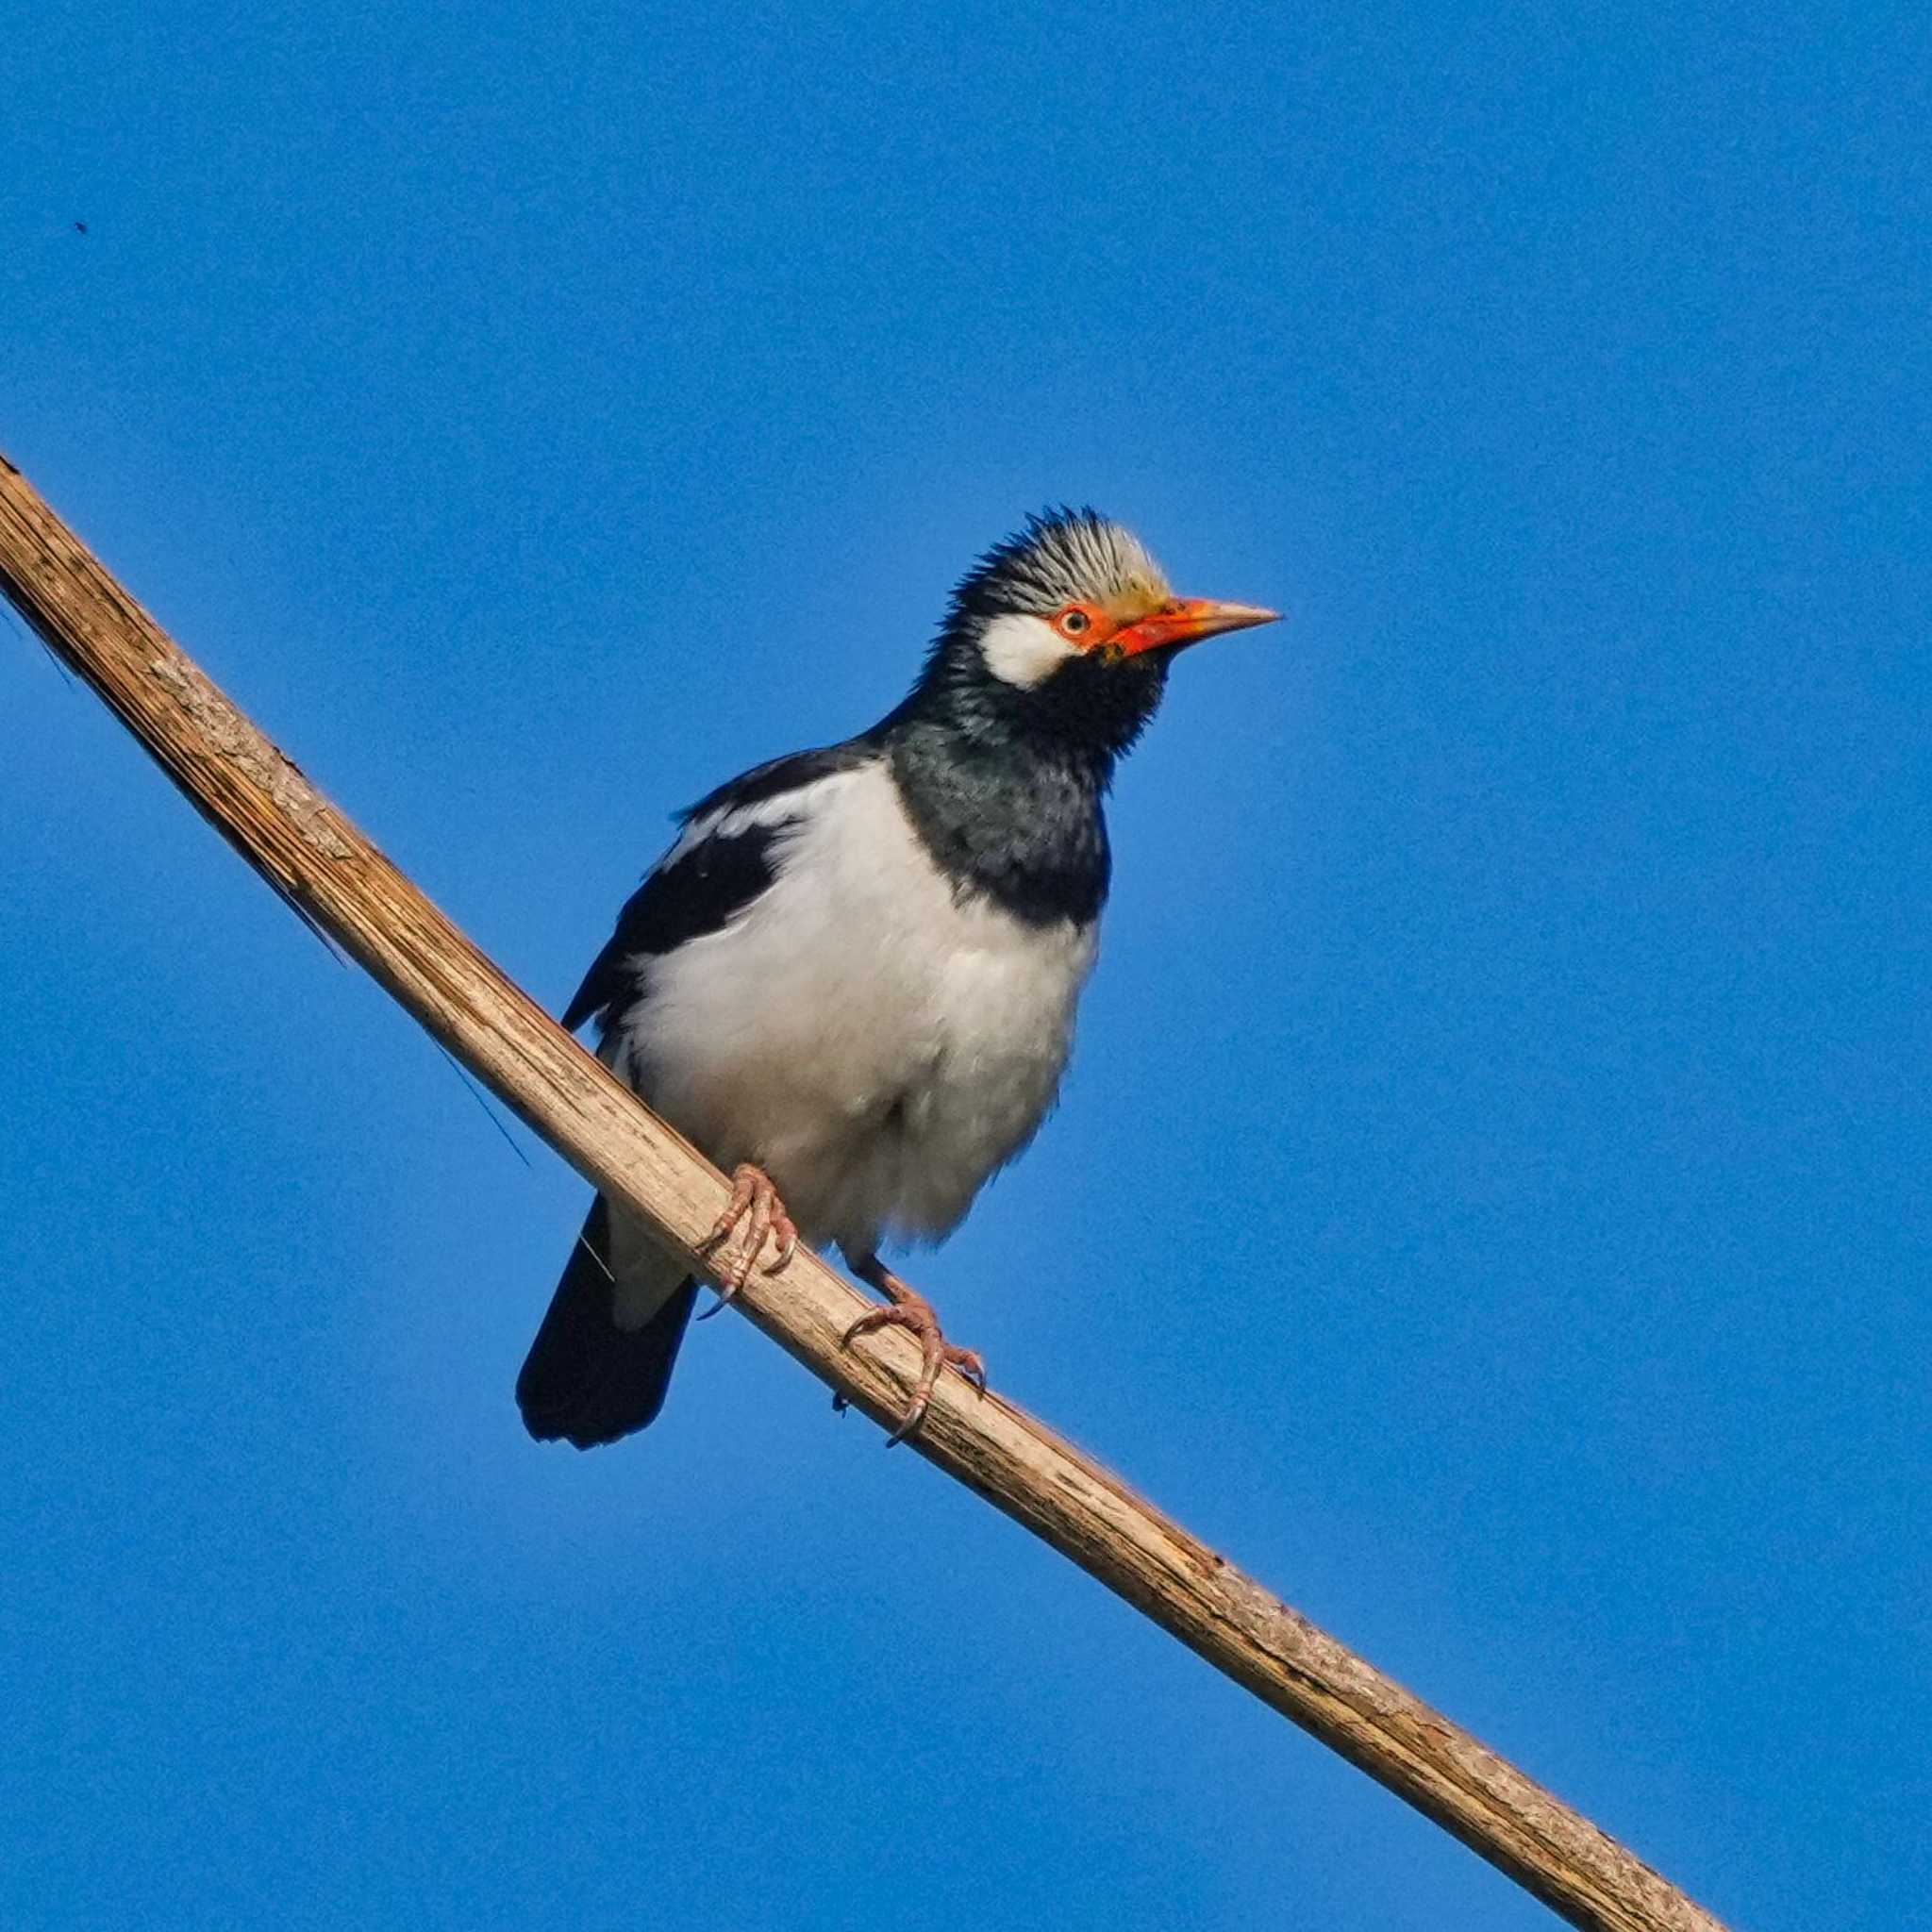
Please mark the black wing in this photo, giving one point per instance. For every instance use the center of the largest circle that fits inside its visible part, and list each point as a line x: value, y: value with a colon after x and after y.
x: 702, y: 887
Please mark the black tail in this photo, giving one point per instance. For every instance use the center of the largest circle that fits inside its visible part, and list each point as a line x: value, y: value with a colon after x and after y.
x: 586, y: 1379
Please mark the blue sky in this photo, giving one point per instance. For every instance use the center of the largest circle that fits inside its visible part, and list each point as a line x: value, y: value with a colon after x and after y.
x: 1489, y: 1199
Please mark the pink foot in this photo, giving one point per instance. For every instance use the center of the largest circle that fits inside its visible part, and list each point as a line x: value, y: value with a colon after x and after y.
x: 910, y: 1309
x: 753, y: 1198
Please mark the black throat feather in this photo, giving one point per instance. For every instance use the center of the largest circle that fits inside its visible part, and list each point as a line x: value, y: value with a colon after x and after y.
x: 1005, y: 784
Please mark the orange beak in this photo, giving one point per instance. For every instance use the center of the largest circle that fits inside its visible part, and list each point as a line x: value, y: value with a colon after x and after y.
x: 1186, y: 621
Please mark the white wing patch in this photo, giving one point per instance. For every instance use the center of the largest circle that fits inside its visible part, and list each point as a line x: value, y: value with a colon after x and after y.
x: 726, y: 822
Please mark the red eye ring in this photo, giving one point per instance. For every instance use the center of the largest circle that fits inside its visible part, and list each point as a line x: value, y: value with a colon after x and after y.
x: 1074, y: 622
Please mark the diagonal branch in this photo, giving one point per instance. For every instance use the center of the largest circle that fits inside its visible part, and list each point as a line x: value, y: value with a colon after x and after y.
x: 324, y: 867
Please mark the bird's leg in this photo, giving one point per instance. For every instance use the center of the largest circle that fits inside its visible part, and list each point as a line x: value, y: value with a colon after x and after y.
x: 753, y: 1196
x: 910, y: 1309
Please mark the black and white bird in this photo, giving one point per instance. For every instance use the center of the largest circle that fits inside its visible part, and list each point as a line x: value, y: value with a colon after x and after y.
x: 851, y: 981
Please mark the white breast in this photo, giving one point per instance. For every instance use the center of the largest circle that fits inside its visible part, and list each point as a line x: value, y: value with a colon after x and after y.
x: 877, y: 1046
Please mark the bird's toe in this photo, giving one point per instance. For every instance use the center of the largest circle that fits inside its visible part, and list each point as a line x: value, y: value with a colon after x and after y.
x: 911, y: 1311
x: 753, y: 1203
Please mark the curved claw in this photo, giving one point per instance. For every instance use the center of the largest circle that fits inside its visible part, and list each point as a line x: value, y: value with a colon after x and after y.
x: 914, y: 1415
x: 754, y: 1196
x: 939, y: 1354
x: 908, y: 1309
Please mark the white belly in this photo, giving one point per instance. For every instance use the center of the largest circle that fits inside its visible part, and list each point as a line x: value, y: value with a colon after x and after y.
x: 879, y: 1049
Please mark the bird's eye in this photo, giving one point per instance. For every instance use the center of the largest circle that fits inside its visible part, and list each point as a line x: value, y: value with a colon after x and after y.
x: 1076, y: 622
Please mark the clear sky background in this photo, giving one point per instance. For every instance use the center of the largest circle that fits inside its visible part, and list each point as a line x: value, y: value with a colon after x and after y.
x: 1489, y: 1199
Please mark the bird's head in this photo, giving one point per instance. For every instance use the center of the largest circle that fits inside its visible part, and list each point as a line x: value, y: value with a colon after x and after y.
x: 1067, y: 629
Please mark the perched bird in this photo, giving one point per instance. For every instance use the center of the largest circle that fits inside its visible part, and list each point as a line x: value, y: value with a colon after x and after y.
x: 851, y: 981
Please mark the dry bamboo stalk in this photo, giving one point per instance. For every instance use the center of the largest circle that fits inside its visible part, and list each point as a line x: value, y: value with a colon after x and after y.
x: 317, y: 860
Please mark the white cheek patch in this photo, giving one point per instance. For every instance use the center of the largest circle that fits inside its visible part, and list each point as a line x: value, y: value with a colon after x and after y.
x: 1023, y: 650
